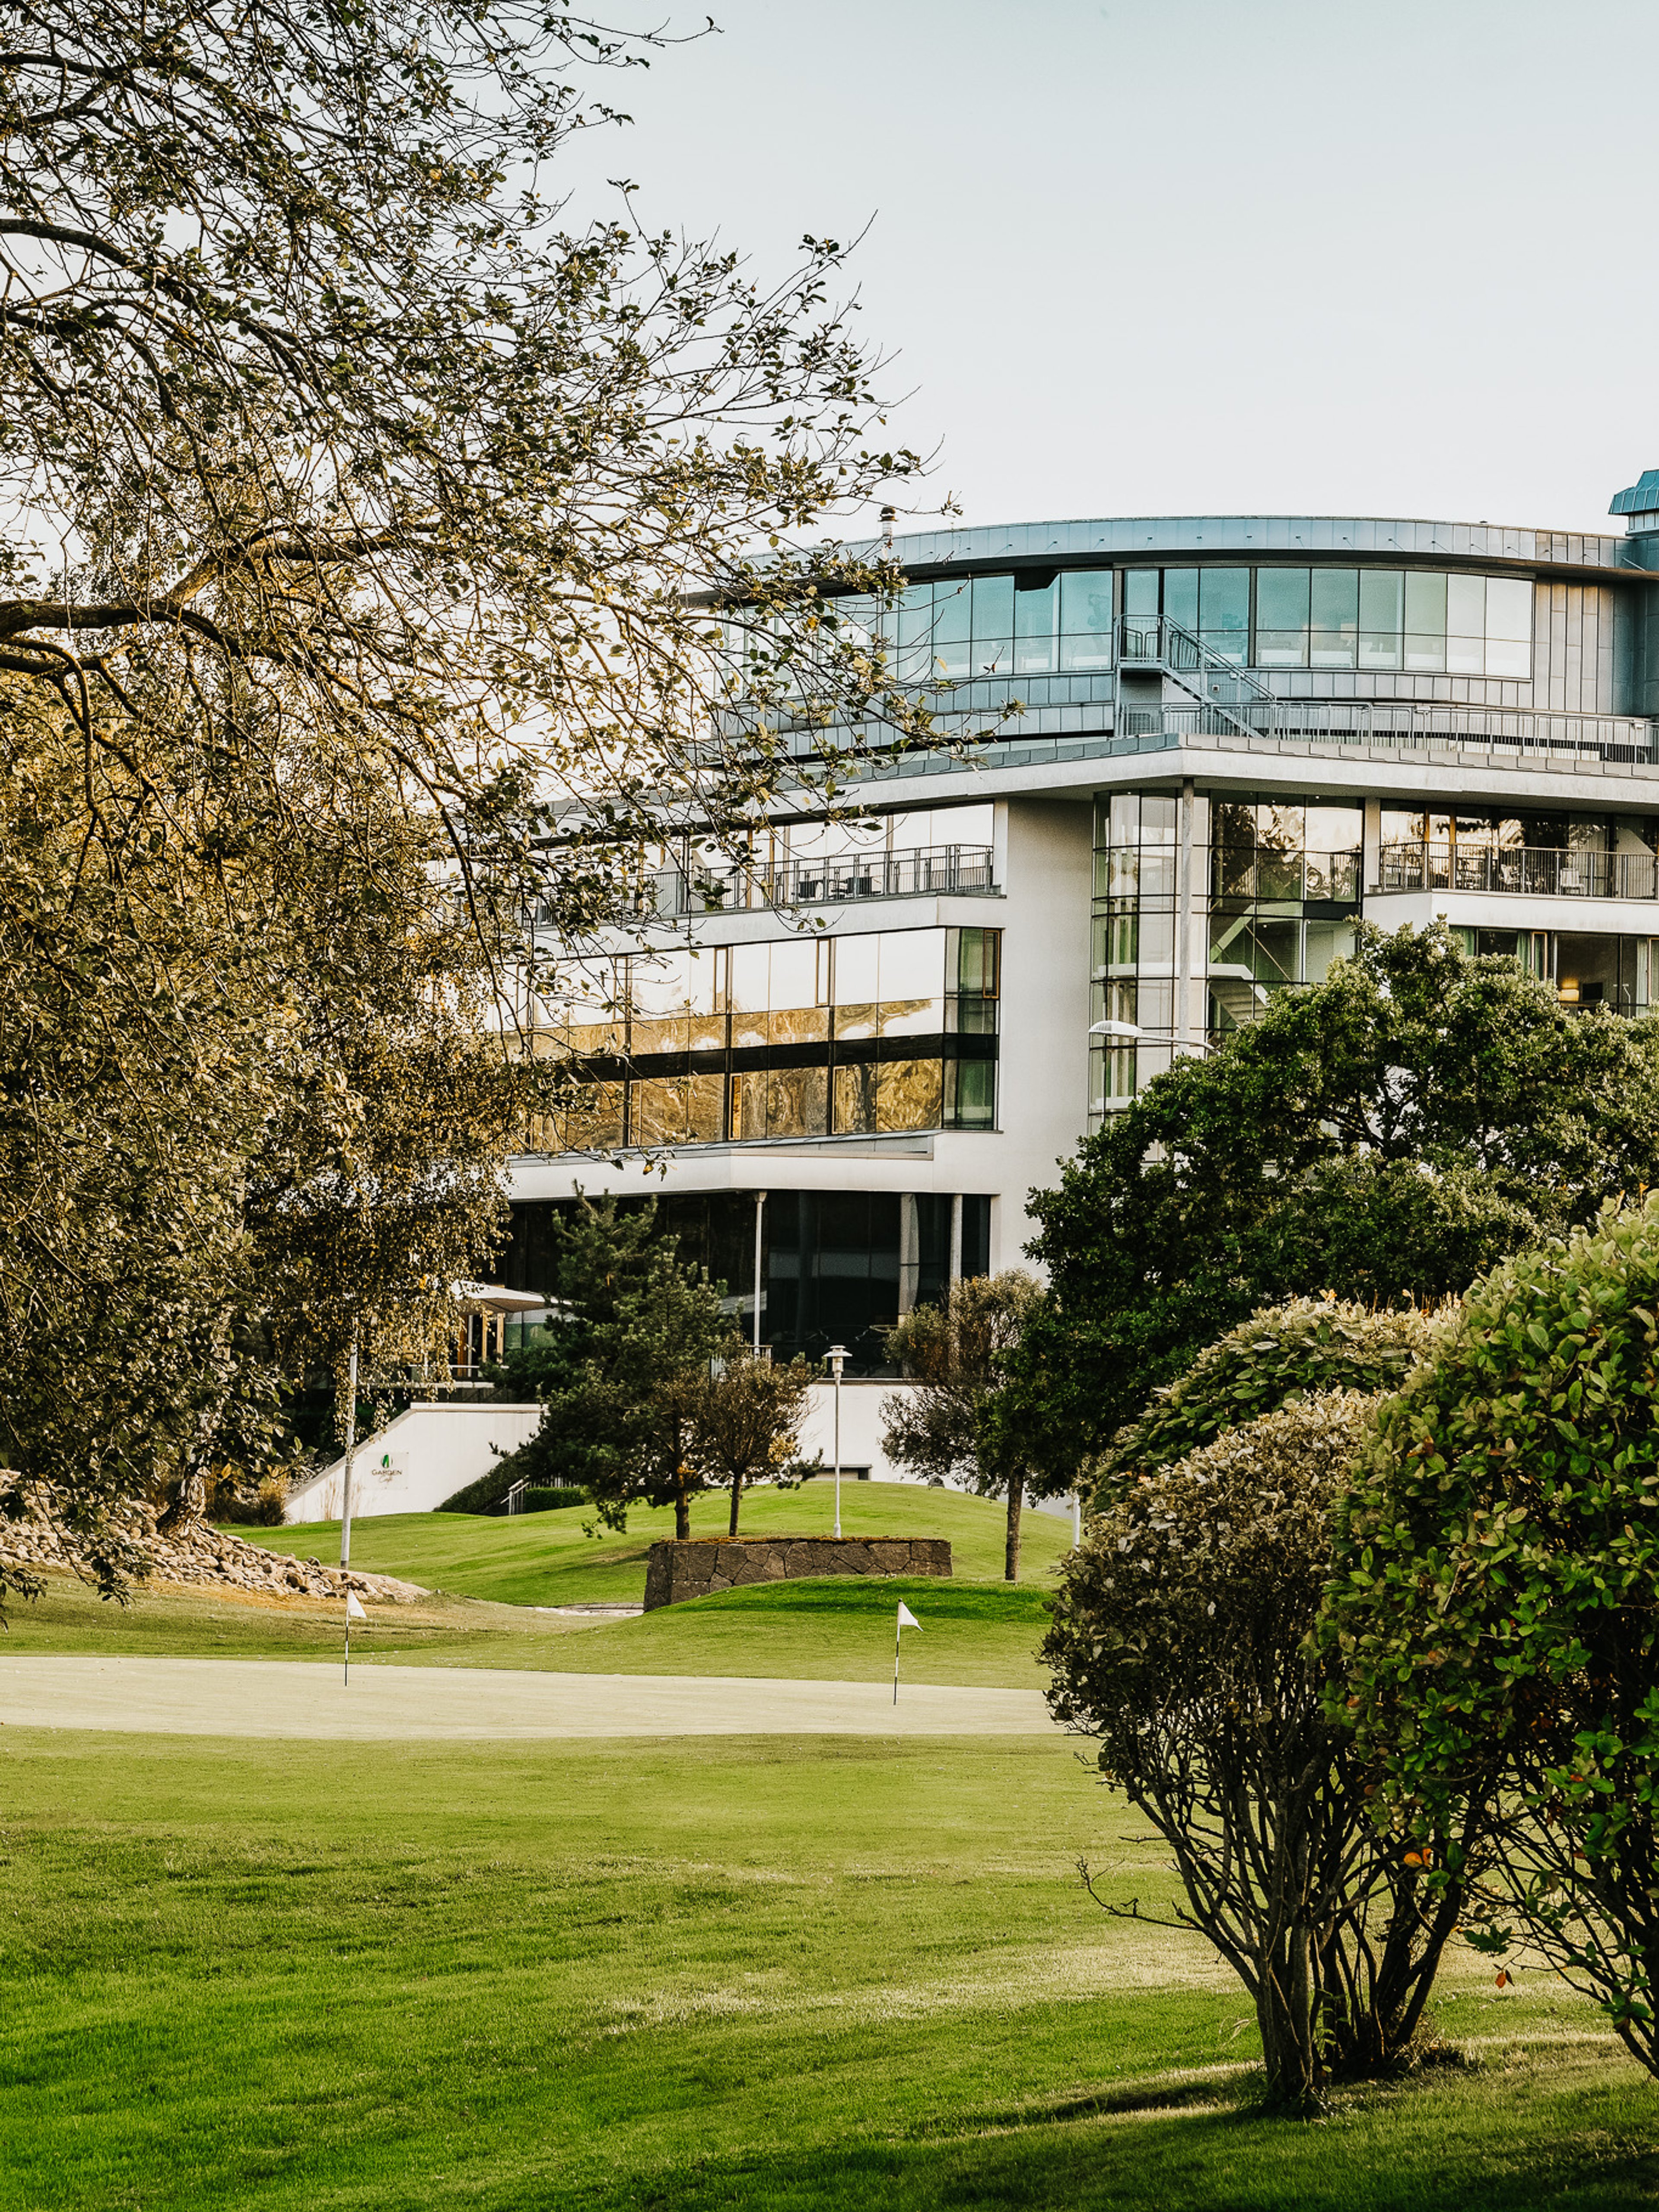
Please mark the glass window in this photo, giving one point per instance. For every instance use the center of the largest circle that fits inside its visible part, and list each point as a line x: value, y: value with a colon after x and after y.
x: 1381, y: 617
x: 1223, y: 612
x: 1181, y: 597
x: 952, y: 628
x: 1333, y: 618
x: 1425, y: 620
x: 1036, y: 612
x: 1465, y: 625
x: 798, y: 1102
x: 1508, y: 626
x: 971, y: 1094
x: 976, y: 963
x: 800, y: 975
x: 857, y: 969
x: 1140, y: 592
x: 993, y: 622
x: 911, y: 965
x: 1158, y: 818
x: 748, y: 978
x: 909, y: 1094
x: 1086, y: 618
x: 658, y: 1111
x: 592, y: 1122
x: 1125, y: 818
x: 914, y: 623
x: 797, y: 1024
x: 1332, y: 828
x: 1281, y: 618
x: 855, y: 1100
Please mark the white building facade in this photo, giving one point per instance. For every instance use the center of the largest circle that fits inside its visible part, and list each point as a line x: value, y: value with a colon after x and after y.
x: 841, y: 1065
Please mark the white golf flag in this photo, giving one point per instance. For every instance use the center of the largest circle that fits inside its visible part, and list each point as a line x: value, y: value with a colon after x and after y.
x: 906, y: 1619
x: 354, y: 1611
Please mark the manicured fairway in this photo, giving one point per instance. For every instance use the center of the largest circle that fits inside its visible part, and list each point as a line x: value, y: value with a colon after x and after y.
x: 974, y: 1634
x: 543, y: 1559
x: 756, y: 1973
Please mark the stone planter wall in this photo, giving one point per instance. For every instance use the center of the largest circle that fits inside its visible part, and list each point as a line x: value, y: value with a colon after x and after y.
x: 705, y: 1564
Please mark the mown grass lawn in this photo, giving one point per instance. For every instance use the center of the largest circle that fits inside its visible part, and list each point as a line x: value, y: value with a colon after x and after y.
x: 543, y: 1559
x: 974, y: 1634
x: 762, y: 1973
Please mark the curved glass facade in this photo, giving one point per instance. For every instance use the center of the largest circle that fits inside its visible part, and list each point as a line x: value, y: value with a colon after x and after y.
x: 1038, y: 623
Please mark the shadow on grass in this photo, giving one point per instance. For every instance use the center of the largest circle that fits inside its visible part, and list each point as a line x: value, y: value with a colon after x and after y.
x: 1199, y: 2144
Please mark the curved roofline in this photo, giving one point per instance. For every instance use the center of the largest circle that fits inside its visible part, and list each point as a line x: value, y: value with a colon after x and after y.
x: 1103, y: 538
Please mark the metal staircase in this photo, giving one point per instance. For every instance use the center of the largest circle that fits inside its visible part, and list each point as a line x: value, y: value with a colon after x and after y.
x: 1230, y: 699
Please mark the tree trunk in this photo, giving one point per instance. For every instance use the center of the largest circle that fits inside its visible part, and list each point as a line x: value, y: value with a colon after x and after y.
x: 1016, y: 1501
x: 682, y: 1509
x: 737, y: 1500
x: 1285, y: 2013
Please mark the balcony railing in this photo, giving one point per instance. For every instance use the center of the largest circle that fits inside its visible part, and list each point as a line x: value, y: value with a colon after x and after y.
x: 1536, y: 870
x: 1507, y: 734
x: 832, y: 880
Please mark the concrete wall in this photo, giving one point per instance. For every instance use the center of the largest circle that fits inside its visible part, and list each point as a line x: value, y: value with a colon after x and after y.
x: 417, y: 1461
x: 428, y: 1453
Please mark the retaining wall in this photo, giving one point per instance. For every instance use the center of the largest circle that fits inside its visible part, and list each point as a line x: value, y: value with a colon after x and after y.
x: 701, y: 1565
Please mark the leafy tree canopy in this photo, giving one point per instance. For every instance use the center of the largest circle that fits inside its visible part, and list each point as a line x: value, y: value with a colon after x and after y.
x: 1386, y: 1134
x: 361, y: 515
x: 1281, y: 1356
x: 1496, y: 1605
x: 946, y: 1428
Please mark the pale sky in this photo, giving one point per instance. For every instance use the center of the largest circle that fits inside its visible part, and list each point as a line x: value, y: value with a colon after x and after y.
x: 1204, y: 256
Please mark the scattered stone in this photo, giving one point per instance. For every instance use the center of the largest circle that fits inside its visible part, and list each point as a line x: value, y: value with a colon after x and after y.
x: 194, y: 1554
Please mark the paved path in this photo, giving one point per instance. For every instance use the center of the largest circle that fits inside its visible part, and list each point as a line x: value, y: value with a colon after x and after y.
x: 291, y: 1698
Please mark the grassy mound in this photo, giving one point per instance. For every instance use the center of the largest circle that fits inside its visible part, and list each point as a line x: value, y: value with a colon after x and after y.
x: 543, y: 1559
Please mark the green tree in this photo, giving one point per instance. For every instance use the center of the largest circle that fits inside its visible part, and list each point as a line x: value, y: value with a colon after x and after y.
x: 745, y: 1418
x: 624, y: 1429
x: 1180, y: 1642
x: 1387, y: 1133
x: 362, y: 527
x: 1494, y: 1619
x: 946, y: 1428
x: 1281, y: 1356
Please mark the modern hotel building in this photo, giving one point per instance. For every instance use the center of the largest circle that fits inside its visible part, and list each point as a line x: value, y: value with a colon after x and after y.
x: 847, y: 1061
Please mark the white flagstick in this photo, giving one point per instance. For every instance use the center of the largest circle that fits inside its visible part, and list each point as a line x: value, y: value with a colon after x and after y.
x: 906, y: 1620
x: 354, y: 1612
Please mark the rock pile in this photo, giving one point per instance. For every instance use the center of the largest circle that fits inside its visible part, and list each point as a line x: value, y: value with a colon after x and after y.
x: 195, y: 1553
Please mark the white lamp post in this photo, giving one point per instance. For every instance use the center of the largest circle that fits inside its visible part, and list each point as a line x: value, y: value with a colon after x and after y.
x: 1131, y: 1033
x: 837, y: 1360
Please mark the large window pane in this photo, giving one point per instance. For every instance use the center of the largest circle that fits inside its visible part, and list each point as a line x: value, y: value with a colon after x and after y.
x: 1281, y: 618
x: 1508, y: 626
x: 976, y: 957
x: 798, y: 975
x: 798, y: 1024
x: 952, y: 626
x: 1037, y: 613
x: 1140, y: 592
x: 1086, y: 618
x: 1425, y: 620
x: 909, y: 1094
x: 1465, y: 625
x: 857, y: 969
x: 1181, y: 597
x: 915, y: 624
x: 797, y: 1102
x: 993, y: 622
x: 592, y: 1122
x: 1223, y: 611
x: 1333, y: 618
x: 1381, y: 617
x: 856, y: 1101
x: 971, y: 1094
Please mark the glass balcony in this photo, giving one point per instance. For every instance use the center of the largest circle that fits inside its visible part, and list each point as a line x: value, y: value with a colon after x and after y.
x: 1531, y: 871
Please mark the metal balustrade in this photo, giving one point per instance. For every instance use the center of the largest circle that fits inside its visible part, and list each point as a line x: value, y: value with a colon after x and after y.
x: 1531, y: 871
x: 1508, y: 736
x: 832, y: 879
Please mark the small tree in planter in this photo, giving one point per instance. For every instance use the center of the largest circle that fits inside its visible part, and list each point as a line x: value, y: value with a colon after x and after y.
x: 745, y: 1419
x: 946, y: 1429
x: 1497, y: 1605
x: 1181, y: 1643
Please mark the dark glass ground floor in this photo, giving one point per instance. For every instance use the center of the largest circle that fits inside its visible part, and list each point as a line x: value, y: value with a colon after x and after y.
x: 836, y: 1267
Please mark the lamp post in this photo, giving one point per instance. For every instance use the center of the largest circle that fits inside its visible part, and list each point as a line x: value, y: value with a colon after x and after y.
x: 837, y: 1360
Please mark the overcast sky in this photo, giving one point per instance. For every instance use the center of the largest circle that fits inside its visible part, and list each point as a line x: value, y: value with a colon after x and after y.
x: 1205, y: 256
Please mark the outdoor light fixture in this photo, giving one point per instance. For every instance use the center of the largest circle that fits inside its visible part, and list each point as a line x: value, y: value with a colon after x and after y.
x: 1131, y: 1033
x: 837, y: 1357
